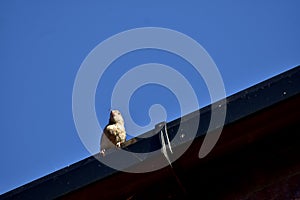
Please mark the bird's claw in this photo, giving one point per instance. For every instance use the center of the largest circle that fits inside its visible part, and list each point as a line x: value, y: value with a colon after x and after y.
x: 102, y: 152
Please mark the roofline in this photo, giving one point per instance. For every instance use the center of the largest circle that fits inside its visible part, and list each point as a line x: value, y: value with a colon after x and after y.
x: 240, y: 105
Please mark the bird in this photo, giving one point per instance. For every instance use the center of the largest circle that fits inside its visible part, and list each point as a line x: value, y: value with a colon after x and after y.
x: 114, y: 133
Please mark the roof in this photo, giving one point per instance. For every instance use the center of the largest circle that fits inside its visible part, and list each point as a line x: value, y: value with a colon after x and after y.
x: 259, y: 143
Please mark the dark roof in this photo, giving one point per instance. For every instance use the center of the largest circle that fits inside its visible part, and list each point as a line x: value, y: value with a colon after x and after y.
x: 259, y: 138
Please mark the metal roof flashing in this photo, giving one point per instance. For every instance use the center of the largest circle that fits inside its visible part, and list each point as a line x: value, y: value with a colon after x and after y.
x: 241, y: 105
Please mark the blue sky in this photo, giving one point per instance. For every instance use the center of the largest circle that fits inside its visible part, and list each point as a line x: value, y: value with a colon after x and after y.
x: 42, y: 46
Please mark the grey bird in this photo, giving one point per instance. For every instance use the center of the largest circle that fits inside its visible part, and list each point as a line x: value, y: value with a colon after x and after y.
x: 114, y: 132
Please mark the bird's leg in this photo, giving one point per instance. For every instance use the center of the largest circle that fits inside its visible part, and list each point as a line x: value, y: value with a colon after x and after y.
x: 102, y: 152
x: 118, y: 144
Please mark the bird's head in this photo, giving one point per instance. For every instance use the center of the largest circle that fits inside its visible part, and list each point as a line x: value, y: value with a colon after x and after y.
x: 116, y: 117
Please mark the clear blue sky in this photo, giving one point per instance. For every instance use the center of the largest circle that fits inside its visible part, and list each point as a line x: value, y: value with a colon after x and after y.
x: 42, y: 46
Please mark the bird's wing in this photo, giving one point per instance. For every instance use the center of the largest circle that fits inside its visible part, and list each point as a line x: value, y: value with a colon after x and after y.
x: 111, y: 130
